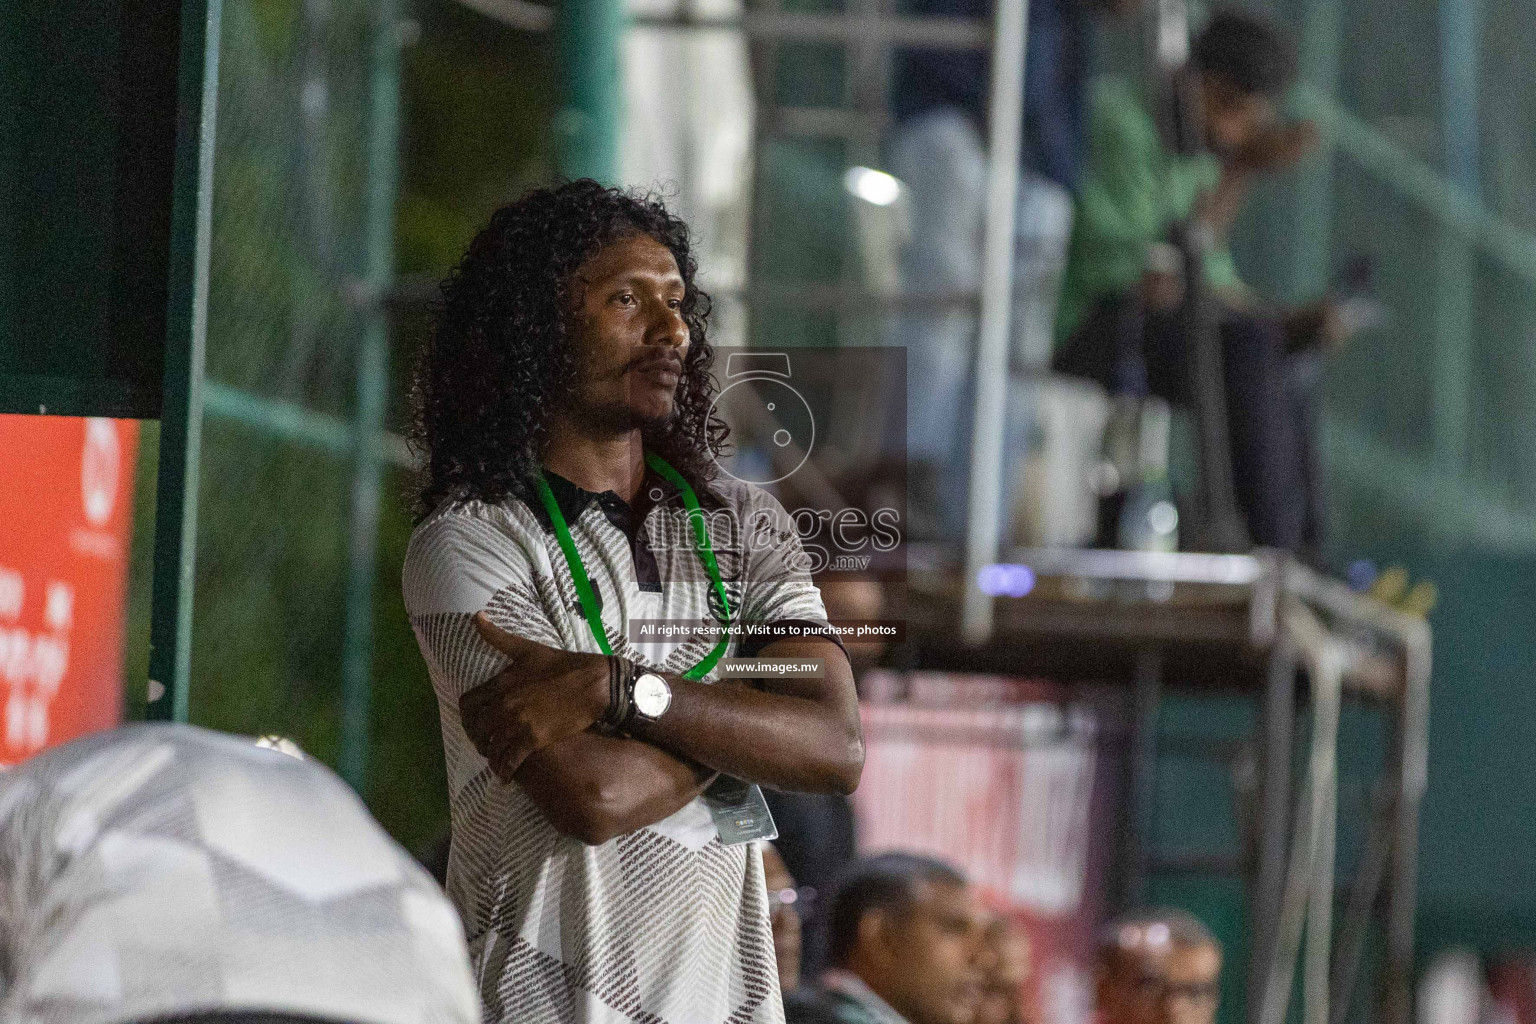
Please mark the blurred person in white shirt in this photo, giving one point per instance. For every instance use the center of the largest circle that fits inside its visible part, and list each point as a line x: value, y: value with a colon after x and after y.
x: 168, y: 873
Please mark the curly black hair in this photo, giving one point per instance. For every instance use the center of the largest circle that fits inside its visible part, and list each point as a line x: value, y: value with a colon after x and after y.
x: 499, y: 355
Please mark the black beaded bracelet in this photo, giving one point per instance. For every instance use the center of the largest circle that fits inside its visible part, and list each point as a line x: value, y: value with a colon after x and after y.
x: 621, y: 673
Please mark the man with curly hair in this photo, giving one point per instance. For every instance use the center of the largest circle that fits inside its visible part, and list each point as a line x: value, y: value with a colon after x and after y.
x: 602, y: 780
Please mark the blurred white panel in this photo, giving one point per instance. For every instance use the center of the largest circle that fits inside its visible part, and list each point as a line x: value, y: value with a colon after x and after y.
x: 687, y: 132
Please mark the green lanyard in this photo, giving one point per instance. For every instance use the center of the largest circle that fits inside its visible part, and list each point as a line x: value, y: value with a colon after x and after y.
x: 584, y: 584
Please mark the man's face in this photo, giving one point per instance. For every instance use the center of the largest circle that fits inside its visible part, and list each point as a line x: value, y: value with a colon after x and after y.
x: 928, y: 962
x: 1006, y: 969
x: 1232, y: 117
x: 631, y: 337
x: 1161, y: 984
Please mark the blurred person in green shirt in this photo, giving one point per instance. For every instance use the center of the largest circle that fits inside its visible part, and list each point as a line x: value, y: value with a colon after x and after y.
x: 1119, y: 319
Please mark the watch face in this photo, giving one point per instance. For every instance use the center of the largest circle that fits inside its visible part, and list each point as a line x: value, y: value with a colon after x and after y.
x: 652, y: 695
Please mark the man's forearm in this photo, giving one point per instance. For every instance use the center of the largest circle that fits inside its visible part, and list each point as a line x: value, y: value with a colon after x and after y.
x: 1218, y: 208
x: 594, y: 787
x: 803, y: 735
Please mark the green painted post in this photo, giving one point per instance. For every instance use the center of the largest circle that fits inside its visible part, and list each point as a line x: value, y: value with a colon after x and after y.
x: 1455, y: 263
x: 372, y: 380
x: 587, y: 127
x: 1314, y: 187
x: 181, y: 415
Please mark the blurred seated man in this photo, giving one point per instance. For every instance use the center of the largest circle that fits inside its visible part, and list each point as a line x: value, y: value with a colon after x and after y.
x: 166, y: 873
x: 1119, y: 319
x: 1007, y: 968
x: 938, y: 149
x: 905, y: 939
x: 1158, y: 967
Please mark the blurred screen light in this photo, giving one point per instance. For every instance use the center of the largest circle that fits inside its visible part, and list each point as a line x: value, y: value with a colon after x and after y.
x: 1005, y: 580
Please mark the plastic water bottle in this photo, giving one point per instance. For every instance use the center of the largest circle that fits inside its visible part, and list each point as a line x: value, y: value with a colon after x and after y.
x: 1149, y: 519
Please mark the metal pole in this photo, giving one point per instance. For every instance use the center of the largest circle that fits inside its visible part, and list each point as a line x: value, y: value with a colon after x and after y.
x: 1309, y: 890
x: 1413, y: 745
x: 372, y: 378
x: 1275, y: 1005
x: 1326, y: 670
x: 1358, y: 913
x: 763, y: 56
x: 181, y: 413
x: 1005, y: 130
x: 1214, y: 521
x: 1141, y: 777
x: 587, y: 127
x: 1309, y: 877
x: 1455, y: 265
x: 1279, y: 723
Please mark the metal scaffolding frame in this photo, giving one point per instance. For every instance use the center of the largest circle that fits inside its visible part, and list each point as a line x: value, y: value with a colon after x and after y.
x: 1245, y: 625
x: 1292, y: 872
x: 869, y: 30
x: 1453, y: 504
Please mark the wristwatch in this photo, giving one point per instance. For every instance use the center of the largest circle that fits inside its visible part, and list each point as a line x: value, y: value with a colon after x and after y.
x: 633, y: 692
x: 649, y: 696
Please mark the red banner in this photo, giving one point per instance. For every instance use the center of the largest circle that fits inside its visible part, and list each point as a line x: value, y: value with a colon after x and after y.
x: 1012, y: 782
x: 66, y: 510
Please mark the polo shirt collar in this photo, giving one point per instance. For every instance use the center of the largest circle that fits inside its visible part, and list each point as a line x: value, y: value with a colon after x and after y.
x: 573, y: 500
x: 851, y: 986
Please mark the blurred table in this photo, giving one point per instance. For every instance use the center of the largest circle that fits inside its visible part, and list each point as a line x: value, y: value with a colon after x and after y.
x: 1261, y: 625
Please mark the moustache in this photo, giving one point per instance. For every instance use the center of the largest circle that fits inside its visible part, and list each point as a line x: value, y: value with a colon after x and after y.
x: 661, y: 361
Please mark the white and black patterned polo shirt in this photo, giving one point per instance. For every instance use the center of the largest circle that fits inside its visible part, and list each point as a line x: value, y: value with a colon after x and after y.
x: 165, y: 870
x: 664, y: 925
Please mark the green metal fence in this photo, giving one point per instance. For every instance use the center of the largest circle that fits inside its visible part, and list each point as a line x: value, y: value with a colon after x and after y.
x: 285, y: 485
x: 300, y: 479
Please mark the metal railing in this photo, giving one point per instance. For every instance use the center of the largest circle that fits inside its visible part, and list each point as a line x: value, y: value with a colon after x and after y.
x: 1436, y: 491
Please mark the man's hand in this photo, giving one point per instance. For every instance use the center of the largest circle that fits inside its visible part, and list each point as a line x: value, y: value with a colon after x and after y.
x: 794, y: 734
x: 543, y: 696
x: 1319, y: 325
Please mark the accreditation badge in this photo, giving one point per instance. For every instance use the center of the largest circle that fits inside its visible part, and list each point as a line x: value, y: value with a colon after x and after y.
x: 741, y: 814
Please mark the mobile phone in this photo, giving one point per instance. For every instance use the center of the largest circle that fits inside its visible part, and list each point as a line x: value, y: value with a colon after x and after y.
x: 1357, y: 307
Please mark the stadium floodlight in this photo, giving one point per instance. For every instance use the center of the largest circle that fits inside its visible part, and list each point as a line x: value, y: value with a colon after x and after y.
x: 872, y: 186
